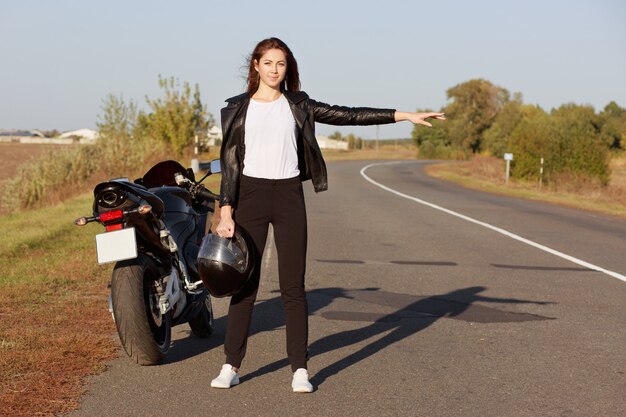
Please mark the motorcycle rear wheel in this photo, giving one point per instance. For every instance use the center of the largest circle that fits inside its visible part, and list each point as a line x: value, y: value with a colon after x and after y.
x: 145, y: 334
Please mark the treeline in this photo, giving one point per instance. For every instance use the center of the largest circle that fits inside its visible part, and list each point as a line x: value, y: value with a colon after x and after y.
x: 354, y: 142
x: 172, y: 122
x: 130, y: 142
x: 358, y: 143
x: 574, y: 141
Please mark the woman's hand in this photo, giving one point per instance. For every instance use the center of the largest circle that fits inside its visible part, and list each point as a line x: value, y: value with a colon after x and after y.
x: 418, y: 118
x: 226, y: 226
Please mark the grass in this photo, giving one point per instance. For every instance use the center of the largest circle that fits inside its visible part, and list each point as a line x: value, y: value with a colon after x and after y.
x: 34, y: 229
x: 55, y: 327
x: 487, y: 174
x: 384, y: 151
x: 54, y: 324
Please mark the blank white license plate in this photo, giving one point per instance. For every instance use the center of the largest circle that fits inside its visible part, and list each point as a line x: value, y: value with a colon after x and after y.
x: 116, y: 246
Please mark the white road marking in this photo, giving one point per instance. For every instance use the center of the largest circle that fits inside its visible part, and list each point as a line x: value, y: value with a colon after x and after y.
x: 489, y: 226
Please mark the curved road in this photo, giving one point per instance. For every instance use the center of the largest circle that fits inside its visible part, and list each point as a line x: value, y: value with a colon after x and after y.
x: 417, y: 311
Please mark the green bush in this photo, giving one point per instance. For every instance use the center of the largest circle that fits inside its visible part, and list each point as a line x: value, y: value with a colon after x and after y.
x: 576, y: 146
x: 568, y: 139
x: 529, y: 142
x: 130, y: 142
x: 573, y: 140
x: 174, y: 119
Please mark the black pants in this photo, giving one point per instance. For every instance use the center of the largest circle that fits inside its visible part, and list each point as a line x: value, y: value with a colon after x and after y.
x: 281, y: 203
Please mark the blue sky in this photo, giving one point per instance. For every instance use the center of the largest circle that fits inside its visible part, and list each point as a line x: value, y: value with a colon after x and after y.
x: 59, y: 59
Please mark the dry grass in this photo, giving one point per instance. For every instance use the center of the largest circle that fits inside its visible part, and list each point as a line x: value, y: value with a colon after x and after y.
x: 54, y: 324
x: 13, y: 155
x: 55, y: 328
x: 384, y: 151
x: 618, y: 172
x: 487, y: 174
x: 58, y: 174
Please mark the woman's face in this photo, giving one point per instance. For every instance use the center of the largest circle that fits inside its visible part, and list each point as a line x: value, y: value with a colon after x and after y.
x: 272, y: 68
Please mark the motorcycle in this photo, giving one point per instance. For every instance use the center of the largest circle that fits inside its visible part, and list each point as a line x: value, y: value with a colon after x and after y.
x: 153, y: 230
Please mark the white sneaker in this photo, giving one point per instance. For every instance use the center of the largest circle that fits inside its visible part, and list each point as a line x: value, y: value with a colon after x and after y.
x: 227, y: 378
x: 300, y: 382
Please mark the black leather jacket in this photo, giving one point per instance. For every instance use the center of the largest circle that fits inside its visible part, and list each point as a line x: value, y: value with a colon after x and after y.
x: 306, y: 112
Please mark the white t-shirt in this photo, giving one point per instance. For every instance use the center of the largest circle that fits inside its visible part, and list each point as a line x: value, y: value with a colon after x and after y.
x: 271, y: 146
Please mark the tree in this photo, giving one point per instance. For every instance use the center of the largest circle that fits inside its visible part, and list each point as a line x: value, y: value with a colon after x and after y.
x: 475, y: 104
x: 354, y: 142
x: 336, y: 135
x: 51, y: 133
x: 176, y: 117
x: 118, y: 118
x: 496, y: 137
x: 116, y: 145
x: 529, y: 142
x: 434, y: 142
x: 577, y: 146
x: 569, y: 140
x: 613, y: 130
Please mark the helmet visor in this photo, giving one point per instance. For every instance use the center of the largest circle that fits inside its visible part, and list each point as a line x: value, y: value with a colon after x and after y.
x: 225, y: 251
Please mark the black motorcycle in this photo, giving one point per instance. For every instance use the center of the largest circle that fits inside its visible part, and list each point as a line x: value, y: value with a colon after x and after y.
x: 154, y: 228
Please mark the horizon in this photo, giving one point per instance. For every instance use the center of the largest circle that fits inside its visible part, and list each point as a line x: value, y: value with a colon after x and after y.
x: 552, y: 53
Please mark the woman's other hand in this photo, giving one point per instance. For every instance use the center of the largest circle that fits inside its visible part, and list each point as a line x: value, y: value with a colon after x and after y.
x: 419, y: 118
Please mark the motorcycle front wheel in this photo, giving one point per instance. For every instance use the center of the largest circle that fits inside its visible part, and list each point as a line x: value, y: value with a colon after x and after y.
x: 144, y: 332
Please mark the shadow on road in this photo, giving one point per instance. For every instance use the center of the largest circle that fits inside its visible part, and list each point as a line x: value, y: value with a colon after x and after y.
x: 412, y: 314
x: 268, y: 315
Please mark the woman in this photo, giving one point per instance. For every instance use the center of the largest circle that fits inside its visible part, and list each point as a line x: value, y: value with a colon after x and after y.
x: 268, y: 149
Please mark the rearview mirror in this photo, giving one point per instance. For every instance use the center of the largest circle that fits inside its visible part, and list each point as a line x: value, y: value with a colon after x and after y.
x: 216, y: 166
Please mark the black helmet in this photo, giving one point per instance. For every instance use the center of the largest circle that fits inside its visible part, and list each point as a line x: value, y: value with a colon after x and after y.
x: 225, y: 265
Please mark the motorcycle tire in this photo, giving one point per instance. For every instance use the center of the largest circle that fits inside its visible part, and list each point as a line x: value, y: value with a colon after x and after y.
x: 202, y: 324
x: 145, y: 334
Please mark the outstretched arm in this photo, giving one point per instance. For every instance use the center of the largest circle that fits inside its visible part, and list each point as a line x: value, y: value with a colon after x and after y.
x: 418, y: 118
x: 362, y: 116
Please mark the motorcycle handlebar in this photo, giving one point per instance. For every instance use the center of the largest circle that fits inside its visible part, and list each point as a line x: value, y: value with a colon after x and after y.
x: 205, y: 194
x: 197, y: 190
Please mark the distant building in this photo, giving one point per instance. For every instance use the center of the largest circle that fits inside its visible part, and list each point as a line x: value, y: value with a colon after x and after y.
x: 83, y: 135
x: 327, y: 143
x: 21, y: 136
x: 22, y: 133
x: 213, y: 136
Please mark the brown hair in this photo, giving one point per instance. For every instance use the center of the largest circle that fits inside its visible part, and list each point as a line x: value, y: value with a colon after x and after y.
x: 292, y: 77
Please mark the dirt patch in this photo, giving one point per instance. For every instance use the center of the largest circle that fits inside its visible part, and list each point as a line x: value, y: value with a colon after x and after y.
x: 13, y: 155
x: 384, y: 151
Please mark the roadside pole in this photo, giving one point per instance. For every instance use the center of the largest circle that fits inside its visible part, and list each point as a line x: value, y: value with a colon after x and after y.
x: 508, y: 157
x: 377, y: 128
x: 195, y: 163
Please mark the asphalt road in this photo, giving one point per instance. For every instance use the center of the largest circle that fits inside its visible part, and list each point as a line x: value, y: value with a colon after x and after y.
x: 415, y: 311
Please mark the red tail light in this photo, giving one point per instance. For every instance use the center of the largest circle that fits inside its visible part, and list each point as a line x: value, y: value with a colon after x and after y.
x: 111, y: 216
x: 112, y: 220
